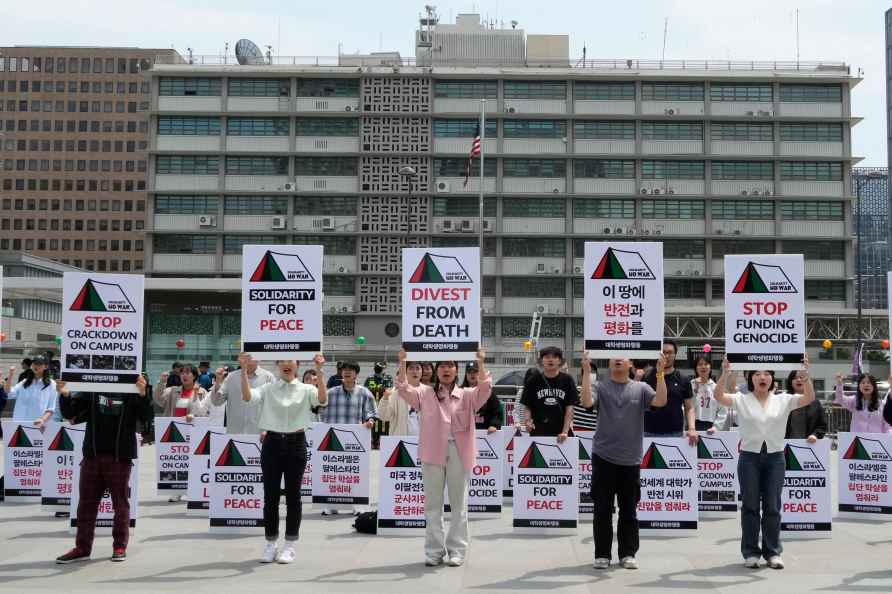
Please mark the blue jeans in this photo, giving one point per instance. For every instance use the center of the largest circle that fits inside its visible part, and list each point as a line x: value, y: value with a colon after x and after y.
x: 671, y: 434
x: 761, y: 482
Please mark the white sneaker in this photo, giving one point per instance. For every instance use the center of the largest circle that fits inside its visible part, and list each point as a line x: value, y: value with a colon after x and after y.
x: 174, y: 498
x: 269, y: 553
x: 629, y: 563
x: 327, y: 511
x: 751, y: 562
x: 601, y: 563
x: 456, y: 561
x: 287, y: 554
x: 433, y: 561
x: 776, y: 562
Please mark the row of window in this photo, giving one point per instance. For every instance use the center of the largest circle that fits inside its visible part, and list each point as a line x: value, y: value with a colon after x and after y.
x: 70, y: 106
x: 90, y: 245
x: 209, y: 165
x: 118, y: 126
x: 74, y: 65
x: 257, y: 87
x: 71, y: 165
x: 103, y: 225
x: 74, y: 185
x: 211, y: 126
x: 68, y: 204
x: 73, y: 86
x: 70, y: 146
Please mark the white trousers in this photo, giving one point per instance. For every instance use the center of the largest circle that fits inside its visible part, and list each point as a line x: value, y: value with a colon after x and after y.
x: 436, y: 477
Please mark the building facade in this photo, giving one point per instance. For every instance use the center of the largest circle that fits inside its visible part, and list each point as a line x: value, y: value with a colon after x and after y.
x: 872, y: 183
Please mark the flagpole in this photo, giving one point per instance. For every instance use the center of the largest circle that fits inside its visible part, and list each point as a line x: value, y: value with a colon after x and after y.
x: 482, y: 138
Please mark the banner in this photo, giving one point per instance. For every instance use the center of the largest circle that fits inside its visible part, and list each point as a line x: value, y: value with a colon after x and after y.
x: 106, y: 517
x: 400, y: 488
x: 865, y: 465
x: 623, y: 291
x: 306, y: 483
x: 717, y: 473
x: 22, y: 461
x: 441, y: 303
x: 341, y: 464
x: 509, y: 432
x: 668, y: 503
x: 282, y: 301
x: 586, y: 505
x: 102, y: 331
x: 61, y: 442
x: 765, y: 311
x: 546, y: 495
x: 172, y: 436
x: 236, y: 486
x: 806, y: 507
x: 487, y: 475
x: 198, y: 492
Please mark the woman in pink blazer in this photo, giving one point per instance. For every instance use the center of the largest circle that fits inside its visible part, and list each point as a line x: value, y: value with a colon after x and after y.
x: 448, y: 452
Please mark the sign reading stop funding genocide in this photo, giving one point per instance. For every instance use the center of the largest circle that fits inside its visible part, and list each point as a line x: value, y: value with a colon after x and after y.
x: 487, y: 475
x: 105, y: 518
x: 546, y: 495
x: 102, y: 331
x: 441, y: 303
x: 586, y: 505
x: 400, y: 488
x: 806, y: 508
x: 717, y: 473
x: 172, y: 436
x: 765, y: 311
x: 236, y: 486
x: 341, y: 464
x: 623, y: 288
x: 61, y: 442
x: 282, y: 301
x: 198, y: 491
x: 22, y: 461
x: 668, y: 486
x: 865, y: 468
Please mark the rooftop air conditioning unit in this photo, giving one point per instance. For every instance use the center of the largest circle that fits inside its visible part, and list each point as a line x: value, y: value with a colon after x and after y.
x: 743, y: 192
x: 656, y: 191
x: 767, y: 192
x: 630, y: 231
x: 541, y: 309
x: 670, y: 191
x: 670, y: 112
x: 606, y: 230
x: 540, y: 268
x: 332, y: 309
x: 756, y: 193
x: 348, y: 108
x: 644, y: 190
x: 278, y: 223
x: 341, y: 269
x: 751, y: 113
x: 696, y: 272
x: 556, y: 270
x: 678, y: 273
x: 658, y: 232
x: 511, y: 109
x: 345, y: 309
x: 719, y: 231
x: 736, y: 231
x: 446, y: 226
x: 577, y: 270
x: 487, y: 226
x: 442, y: 186
x: 555, y: 190
x: 207, y: 221
x: 645, y: 232
x: 618, y: 231
x: 289, y: 187
x: 467, y: 225
x: 328, y: 224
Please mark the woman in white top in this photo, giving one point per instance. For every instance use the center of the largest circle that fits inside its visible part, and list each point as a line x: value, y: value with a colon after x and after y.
x: 403, y: 418
x: 710, y: 415
x: 35, y: 396
x: 762, y: 415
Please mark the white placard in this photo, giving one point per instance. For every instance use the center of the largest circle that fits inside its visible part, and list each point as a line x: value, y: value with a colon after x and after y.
x: 806, y: 507
x: 546, y: 493
x: 668, y: 503
x: 102, y: 331
x: 60, y: 442
x: 623, y: 290
x: 400, y: 488
x: 865, y: 467
x: 487, y: 475
x: 198, y: 490
x: 509, y: 432
x: 341, y: 464
x: 172, y: 435
x: 765, y: 311
x: 236, y: 485
x: 586, y: 505
x: 306, y: 482
x: 441, y: 303
x: 282, y: 301
x: 22, y: 461
x: 106, y: 516
x: 717, y: 455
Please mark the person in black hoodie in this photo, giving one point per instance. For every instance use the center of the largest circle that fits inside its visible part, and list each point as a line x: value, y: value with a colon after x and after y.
x: 109, y: 450
x: 489, y: 416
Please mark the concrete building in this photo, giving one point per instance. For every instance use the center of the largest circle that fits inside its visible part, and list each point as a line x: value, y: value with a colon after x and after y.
x: 873, y: 183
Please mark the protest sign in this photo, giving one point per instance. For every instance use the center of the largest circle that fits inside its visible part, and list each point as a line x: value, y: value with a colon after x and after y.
x: 341, y: 464
x: 546, y: 494
x: 172, y: 436
x: 668, y: 503
x: 400, y: 488
x: 806, y: 508
x: 236, y: 486
x: 487, y: 475
x: 61, y: 442
x: 198, y: 492
x: 586, y: 505
x: 509, y: 432
x: 865, y: 467
x: 717, y: 473
x: 106, y: 514
x: 22, y: 461
x: 306, y: 483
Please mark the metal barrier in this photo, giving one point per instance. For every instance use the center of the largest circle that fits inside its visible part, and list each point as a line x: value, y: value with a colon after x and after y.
x: 839, y: 418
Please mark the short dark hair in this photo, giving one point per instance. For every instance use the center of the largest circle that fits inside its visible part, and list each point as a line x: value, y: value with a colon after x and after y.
x: 749, y: 378
x: 350, y: 365
x: 204, y: 364
x: 673, y: 343
x: 188, y: 367
x: 553, y: 351
x: 176, y: 365
x: 413, y: 364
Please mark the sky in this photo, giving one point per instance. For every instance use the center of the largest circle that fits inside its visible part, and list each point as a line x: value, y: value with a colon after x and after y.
x: 830, y: 30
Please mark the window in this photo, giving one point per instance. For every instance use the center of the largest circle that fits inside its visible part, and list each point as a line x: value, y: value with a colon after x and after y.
x: 259, y: 87
x: 724, y: 247
x: 817, y: 250
x: 604, y: 168
x: 327, y: 127
x: 673, y: 169
x: 232, y: 244
x: 463, y: 128
x: 328, y: 87
x: 672, y: 209
x: 604, y: 130
x: 534, y: 168
x: 741, y: 92
x: 825, y: 290
x: 534, y: 128
x: 255, y: 205
x: 188, y: 126
x: 463, y: 206
x: 535, y: 89
x: 684, y: 249
x: 743, y: 209
x: 517, y: 247
x: 466, y: 89
x: 519, y: 327
x: 804, y: 132
x: 741, y: 131
x: 547, y: 208
x: 339, y: 286
x: 256, y: 165
x: 345, y: 206
x: 489, y: 248
x: 811, y: 171
x: 731, y: 170
x: 604, y: 91
x: 257, y: 127
x: 811, y: 93
x: 531, y: 287
x: 327, y: 166
x: 185, y: 244
x: 458, y: 167
x: 674, y: 288
x: 186, y: 165
x: 671, y: 91
x: 812, y: 210
x: 671, y: 131
x: 331, y: 245
x: 187, y: 87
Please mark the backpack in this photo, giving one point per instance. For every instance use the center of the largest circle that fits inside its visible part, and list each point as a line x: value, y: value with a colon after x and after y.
x: 367, y: 523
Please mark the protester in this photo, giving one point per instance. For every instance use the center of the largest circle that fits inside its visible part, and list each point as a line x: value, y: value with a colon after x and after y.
x: 448, y: 451
x: 490, y: 415
x: 549, y: 396
x: 35, y: 395
x: 709, y: 415
x: 867, y: 416
x: 887, y: 410
x: 377, y: 384
x: 335, y: 380
x: 403, y: 419
x: 205, y: 377
x: 762, y: 415
x: 427, y: 373
x: 616, y: 454
x: 310, y: 378
x: 669, y: 421
x: 807, y: 422
x: 109, y: 449
x: 173, y: 378
x: 284, y: 415
x: 241, y: 416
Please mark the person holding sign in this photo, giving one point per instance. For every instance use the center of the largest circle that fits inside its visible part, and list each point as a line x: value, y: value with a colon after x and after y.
x: 109, y: 449
x: 241, y: 416
x: 35, y: 395
x: 616, y: 454
x: 448, y: 451
x: 489, y: 416
x: 670, y: 420
x: 185, y: 400
x: 403, y: 418
x: 548, y: 397
x: 808, y: 422
x: 865, y: 406
x: 285, y: 415
x: 762, y: 415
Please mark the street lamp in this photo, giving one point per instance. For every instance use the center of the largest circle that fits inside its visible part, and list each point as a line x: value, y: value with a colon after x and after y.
x: 860, y: 179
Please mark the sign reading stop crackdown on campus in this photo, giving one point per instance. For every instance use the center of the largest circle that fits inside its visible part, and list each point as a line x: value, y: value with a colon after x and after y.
x: 717, y: 473
x: 668, y: 503
x: 172, y: 436
x: 765, y: 311
x: 22, y: 461
x: 102, y: 331
x: 546, y: 495
x: 341, y: 464
x: 198, y: 490
x: 236, y: 485
x: 106, y: 515
x: 61, y: 442
x: 282, y: 301
x: 623, y: 291
x: 806, y: 508
x: 400, y: 488
x: 586, y: 505
x: 865, y: 467
x: 441, y: 303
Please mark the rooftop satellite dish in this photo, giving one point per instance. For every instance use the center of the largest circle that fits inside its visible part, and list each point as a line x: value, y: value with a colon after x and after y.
x: 248, y: 54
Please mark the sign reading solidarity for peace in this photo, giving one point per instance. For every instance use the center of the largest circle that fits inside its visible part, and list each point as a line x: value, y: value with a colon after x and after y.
x: 806, y: 509
x: 586, y: 505
x: 865, y: 468
x: 102, y: 331
x: 400, y: 488
x: 341, y: 464
x: 623, y: 287
x: 668, y: 486
x: 172, y: 436
x: 236, y: 487
x: 717, y: 473
x: 441, y: 303
x: 22, y: 461
x: 197, y: 492
x: 282, y: 301
x: 546, y: 495
x: 765, y: 311
x: 105, y: 518
x: 61, y: 442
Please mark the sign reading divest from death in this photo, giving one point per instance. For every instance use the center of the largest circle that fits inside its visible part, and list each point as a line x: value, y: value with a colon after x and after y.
x: 510, y: 432
x: 102, y: 331
x: 441, y: 303
x: 546, y: 494
x: 22, y: 461
x: 106, y: 515
x: 198, y: 491
x: 668, y: 486
x: 623, y: 289
x: 765, y: 311
x: 586, y: 505
x: 865, y: 468
x: 400, y: 488
x: 236, y: 486
x: 282, y: 301
x: 61, y: 443
x: 806, y: 508
x: 172, y: 435
x: 717, y: 473
x: 306, y: 482
x: 341, y: 464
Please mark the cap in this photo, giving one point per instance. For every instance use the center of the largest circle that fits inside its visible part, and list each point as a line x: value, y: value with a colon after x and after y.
x: 38, y: 360
x: 379, y: 367
x: 472, y: 366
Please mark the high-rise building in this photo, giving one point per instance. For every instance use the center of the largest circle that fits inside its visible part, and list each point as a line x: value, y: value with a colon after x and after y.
x: 73, y: 136
x: 872, y: 194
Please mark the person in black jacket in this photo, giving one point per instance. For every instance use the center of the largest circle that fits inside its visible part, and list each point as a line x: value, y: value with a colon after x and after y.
x: 109, y: 450
x: 887, y: 409
x: 489, y: 416
x: 808, y: 422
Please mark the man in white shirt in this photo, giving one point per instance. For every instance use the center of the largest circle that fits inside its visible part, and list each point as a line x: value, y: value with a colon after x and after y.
x: 241, y: 416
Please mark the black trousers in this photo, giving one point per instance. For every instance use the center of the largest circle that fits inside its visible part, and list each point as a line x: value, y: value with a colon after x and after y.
x: 282, y: 453
x: 613, y: 481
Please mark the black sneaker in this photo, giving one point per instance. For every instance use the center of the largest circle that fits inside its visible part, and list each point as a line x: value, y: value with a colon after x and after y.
x: 119, y: 555
x: 73, y: 556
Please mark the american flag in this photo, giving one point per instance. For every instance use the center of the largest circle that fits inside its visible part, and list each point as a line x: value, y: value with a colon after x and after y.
x: 475, y: 152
